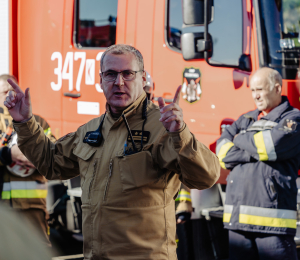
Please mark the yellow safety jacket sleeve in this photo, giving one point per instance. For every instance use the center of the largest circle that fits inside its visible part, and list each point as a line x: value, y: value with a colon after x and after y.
x: 183, y: 200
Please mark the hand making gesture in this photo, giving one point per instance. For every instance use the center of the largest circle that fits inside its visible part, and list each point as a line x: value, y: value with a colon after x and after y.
x: 171, y: 115
x: 18, y: 103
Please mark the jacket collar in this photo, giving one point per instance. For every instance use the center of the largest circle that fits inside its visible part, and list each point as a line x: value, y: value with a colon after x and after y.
x: 274, y: 114
x: 135, y: 108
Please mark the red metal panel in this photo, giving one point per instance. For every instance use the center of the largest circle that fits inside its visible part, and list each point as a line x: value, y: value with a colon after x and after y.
x: 13, y: 38
x: 40, y: 27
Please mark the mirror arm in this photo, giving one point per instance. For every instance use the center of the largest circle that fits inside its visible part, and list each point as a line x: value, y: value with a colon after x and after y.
x: 206, y: 29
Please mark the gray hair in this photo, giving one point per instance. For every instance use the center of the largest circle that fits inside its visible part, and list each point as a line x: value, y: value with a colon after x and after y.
x: 274, y: 78
x: 5, y: 77
x: 119, y: 49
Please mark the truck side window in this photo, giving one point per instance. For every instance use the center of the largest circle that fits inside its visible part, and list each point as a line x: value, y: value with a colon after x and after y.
x: 174, y: 24
x: 226, y: 30
x: 95, y: 23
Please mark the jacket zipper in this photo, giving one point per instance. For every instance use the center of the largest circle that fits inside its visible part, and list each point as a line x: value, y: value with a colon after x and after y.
x: 108, y: 180
x: 93, y: 178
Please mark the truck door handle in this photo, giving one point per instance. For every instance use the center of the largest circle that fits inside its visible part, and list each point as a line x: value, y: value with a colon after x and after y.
x: 67, y: 94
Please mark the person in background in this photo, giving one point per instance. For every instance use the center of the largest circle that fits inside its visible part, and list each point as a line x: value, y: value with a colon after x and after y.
x: 20, y: 239
x: 23, y: 188
x: 262, y: 150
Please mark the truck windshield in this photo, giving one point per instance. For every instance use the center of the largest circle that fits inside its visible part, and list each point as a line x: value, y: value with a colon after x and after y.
x: 280, y: 28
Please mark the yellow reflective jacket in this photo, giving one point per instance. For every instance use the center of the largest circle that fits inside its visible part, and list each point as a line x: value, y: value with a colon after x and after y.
x: 24, y: 192
x: 128, y: 202
x: 183, y: 200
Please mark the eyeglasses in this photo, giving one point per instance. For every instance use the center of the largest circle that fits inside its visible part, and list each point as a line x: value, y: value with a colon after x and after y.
x: 112, y: 75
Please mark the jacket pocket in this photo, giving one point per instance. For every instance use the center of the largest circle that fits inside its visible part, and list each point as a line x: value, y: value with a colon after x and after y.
x: 137, y: 170
x: 271, y: 189
x: 87, y: 166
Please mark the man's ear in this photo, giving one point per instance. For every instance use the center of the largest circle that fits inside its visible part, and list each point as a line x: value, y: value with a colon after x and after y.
x: 278, y: 88
x: 144, y: 76
x: 100, y: 79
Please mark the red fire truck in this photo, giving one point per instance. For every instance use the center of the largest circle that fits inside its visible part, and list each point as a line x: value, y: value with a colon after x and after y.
x: 211, y: 47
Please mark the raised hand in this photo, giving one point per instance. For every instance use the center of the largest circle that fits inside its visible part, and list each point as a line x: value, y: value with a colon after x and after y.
x: 18, y: 103
x: 171, y: 115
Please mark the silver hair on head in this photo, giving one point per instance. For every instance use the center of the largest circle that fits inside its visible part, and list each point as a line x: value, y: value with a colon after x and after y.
x: 274, y: 78
x: 5, y: 77
x: 119, y: 49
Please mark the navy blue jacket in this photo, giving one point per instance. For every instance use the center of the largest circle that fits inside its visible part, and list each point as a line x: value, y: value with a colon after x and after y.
x: 264, y: 158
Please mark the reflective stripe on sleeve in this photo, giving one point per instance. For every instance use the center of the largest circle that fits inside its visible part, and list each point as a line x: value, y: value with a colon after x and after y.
x: 29, y: 194
x: 28, y: 185
x: 222, y: 149
x: 5, y: 195
x: 6, y: 186
x: 183, y: 196
x: 24, y: 189
x: 265, y: 146
x: 227, y: 213
x: 267, y: 217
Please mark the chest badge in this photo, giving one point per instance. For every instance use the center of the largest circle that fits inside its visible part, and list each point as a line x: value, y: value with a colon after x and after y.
x: 289, y: 125
x: 137, y: 136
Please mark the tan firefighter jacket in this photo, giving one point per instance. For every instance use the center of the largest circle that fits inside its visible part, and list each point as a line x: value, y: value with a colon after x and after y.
x: 23, y: 192
x: 128, y: 202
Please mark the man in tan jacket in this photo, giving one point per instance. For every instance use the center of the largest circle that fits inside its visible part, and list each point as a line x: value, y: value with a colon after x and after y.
x: 130, y: 160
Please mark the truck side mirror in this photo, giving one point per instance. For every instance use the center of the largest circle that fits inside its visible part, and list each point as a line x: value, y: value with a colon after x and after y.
x: 193, y: 12
x: 193, y: 46
x: 245, y: 62
x: 200, y: 45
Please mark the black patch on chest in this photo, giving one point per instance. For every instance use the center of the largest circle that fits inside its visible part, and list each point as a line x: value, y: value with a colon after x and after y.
x: 137, y: 136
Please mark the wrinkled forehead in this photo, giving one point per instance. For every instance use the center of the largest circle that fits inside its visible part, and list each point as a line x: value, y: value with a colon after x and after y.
x: 259, y: 82
x: 119, y: 62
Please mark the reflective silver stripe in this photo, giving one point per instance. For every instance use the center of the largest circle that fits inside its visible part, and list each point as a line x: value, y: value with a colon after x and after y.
x: 224, y: 141
x: 28, y: 185
x: 267, y: 212
x: 262, y: 125
x: 184, y: 196
x: 6, y: 186
x: 269, y: 145
x: 228, y: 209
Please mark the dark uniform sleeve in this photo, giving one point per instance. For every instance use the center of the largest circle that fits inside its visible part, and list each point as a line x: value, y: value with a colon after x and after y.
x: 229, y: 154
x: 278, y: 144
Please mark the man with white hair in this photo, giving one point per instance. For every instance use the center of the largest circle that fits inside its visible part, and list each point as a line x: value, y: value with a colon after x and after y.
x: 262, y: 151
